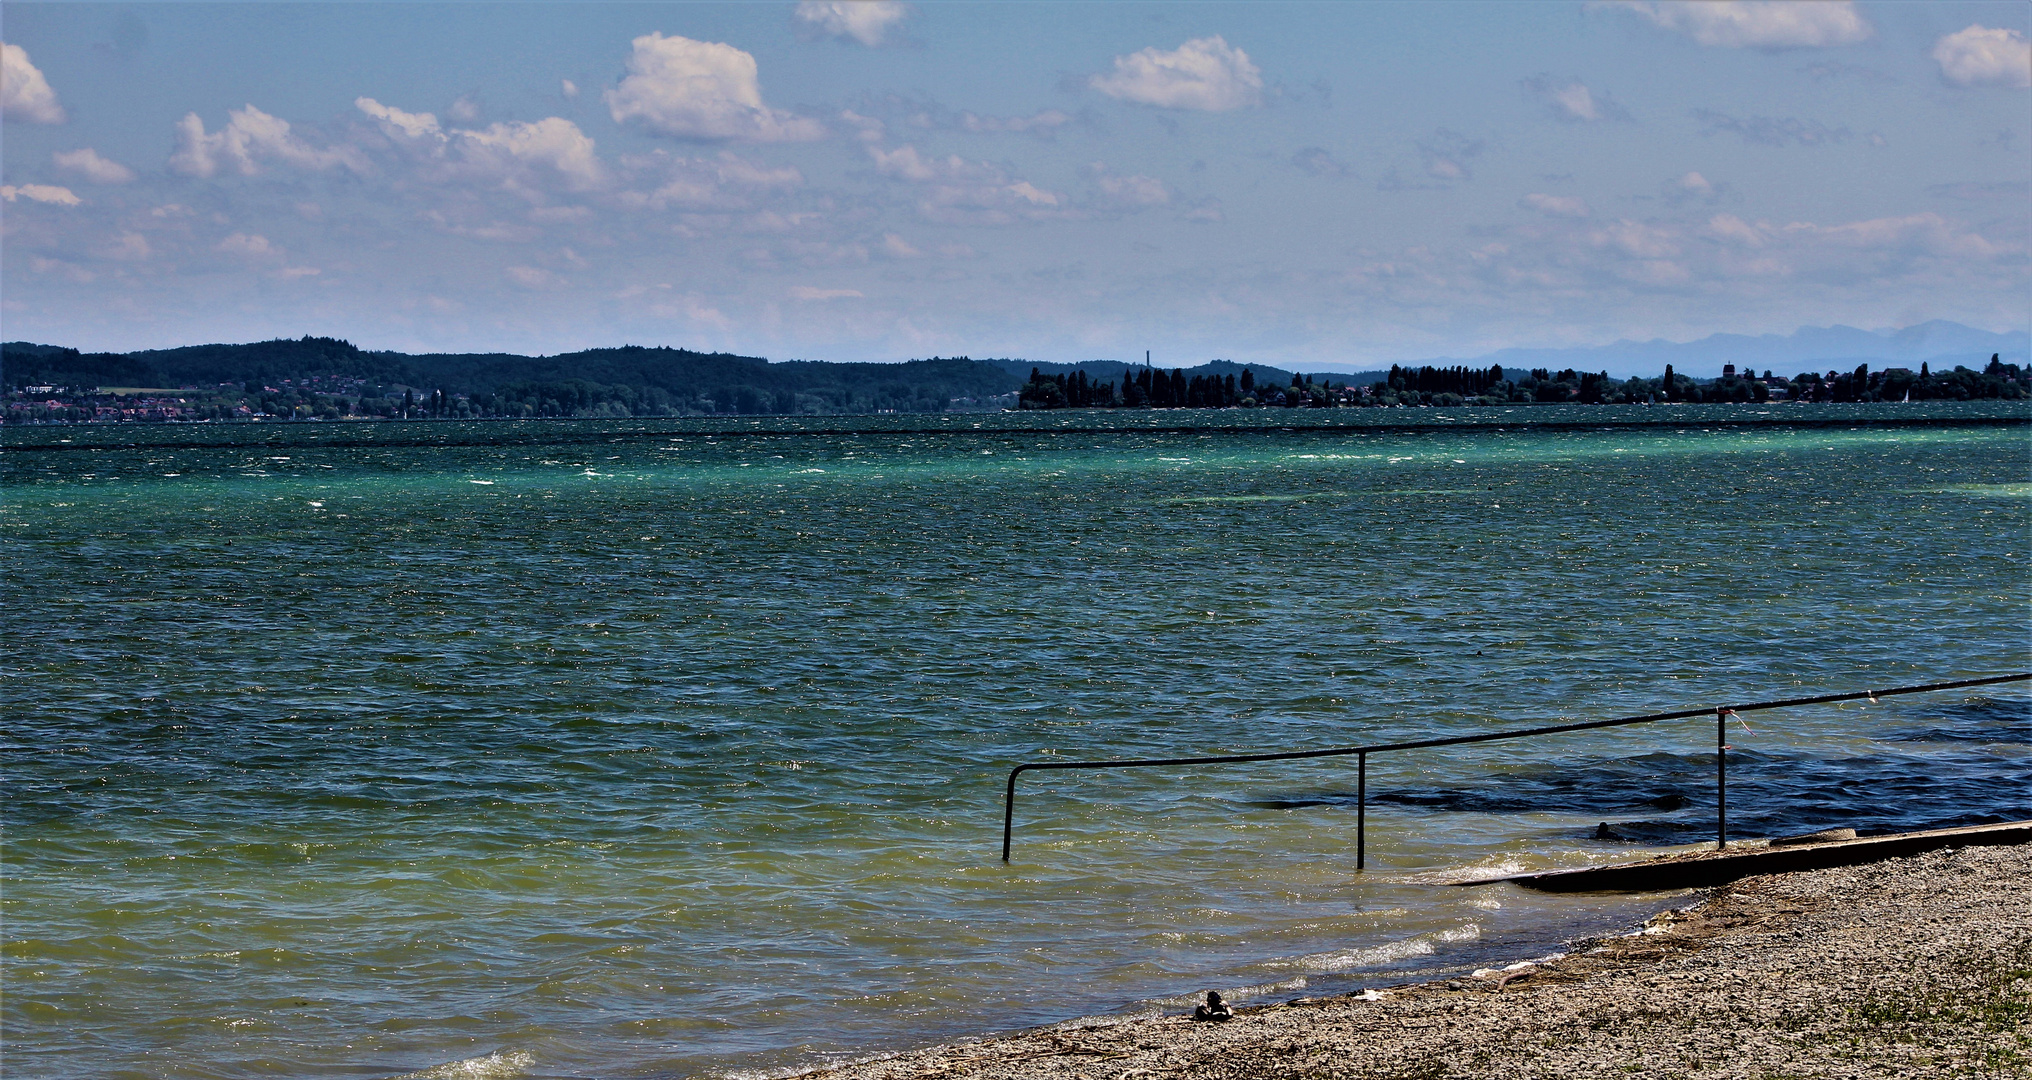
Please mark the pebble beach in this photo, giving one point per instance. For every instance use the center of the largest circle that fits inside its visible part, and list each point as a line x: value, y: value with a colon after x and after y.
x: 1918, y: 967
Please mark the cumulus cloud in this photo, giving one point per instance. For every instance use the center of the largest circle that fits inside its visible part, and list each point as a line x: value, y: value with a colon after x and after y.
x: 86, y: 162
x: 553, y: 148
x: 1758, y: 24
x: 1979, y: 56
x: 24, y: 94
x: 865, y: 21
x: 42, y: 193
x: 1570, y: 100
x: 1773, y: 131
x: 408, y: 125
x: 1204, y: 73
x: 249, y: 138
x: 569, y: 89
x: 700, y: 90
x: 1566, y: 206
x: 517, y: 156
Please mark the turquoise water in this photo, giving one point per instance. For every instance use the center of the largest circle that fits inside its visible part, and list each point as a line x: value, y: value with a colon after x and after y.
x: 674, y: 748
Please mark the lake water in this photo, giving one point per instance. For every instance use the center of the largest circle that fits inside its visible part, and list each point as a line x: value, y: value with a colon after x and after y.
x: 647, y: 748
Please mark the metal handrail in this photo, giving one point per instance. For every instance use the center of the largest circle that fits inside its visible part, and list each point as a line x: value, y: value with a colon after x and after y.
x: 1361, y: 753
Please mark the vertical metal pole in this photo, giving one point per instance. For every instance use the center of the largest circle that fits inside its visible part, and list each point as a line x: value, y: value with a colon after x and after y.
x: 1361, y: 811
x: 1721, y: 762
x: 1009, y: 812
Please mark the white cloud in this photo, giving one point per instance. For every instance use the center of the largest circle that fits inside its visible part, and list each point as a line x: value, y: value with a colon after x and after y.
x: 1759, y: 24
x: 247, y: 246
x: 42, y: 193
x: 1204, y: 73
x: 87, y: 163
x: 553, y: 148
x: 517, y: 156
x: 293, y: 273
x: 806, y: 292
x: 569, y: 89
x: 1694, y: 183
x: 249, y: 137
x: 700, y: 90
x: 1979, y: 56
x: 865, y: 21
x: 24, y: 93
x: 407, y: 124
x: 465, y: 109
x: 1567, y: 206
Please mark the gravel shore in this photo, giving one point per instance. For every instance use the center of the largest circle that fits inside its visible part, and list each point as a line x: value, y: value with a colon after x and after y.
x: 1917, y: 967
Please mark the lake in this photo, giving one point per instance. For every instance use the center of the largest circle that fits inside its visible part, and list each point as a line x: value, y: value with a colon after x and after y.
x: 667, y: 748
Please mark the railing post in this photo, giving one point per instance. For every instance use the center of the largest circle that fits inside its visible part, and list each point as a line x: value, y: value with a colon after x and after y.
x: 1721, y: 761
x: 1361, y: 811
x: 1009, y: 812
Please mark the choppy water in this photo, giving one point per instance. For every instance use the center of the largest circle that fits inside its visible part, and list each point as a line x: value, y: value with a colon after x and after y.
x: 660, y: 749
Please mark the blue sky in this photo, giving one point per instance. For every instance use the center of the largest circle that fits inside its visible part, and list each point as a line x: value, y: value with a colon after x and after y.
x: 1300, y: 184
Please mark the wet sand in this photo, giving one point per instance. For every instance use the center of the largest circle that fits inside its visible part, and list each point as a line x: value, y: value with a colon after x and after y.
x: 1915, y: 967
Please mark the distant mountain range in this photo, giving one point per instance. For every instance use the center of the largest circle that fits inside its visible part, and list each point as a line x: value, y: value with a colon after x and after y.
x: 1810, y: 348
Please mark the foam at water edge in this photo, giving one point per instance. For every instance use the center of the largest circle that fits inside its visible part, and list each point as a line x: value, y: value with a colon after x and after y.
x: 1238, y: 993
x: 498, y: 1063
x: 1349, y: 960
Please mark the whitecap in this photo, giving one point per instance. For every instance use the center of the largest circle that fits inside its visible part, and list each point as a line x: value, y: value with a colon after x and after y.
x: 497, y: 1064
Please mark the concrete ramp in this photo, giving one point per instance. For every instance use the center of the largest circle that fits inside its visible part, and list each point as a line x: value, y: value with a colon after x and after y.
x: 1703, y: 868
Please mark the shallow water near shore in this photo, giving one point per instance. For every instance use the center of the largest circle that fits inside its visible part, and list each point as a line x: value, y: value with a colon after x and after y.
x: 654, y: 749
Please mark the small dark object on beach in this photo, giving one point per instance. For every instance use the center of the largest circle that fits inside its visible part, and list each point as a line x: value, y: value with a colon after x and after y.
x: 1603, y: 832
x: 1214, y: 1010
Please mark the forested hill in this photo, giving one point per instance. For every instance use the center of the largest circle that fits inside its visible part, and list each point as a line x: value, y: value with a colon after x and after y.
x: 630, y: 379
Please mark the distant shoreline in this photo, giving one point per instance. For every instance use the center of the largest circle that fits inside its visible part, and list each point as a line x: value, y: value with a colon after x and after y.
x: 1408, y: 419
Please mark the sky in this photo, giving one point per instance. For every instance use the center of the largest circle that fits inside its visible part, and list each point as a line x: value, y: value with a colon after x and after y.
x: 1303, y: 184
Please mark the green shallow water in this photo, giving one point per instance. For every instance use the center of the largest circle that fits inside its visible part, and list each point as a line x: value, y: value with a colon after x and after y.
x: 664, y: 749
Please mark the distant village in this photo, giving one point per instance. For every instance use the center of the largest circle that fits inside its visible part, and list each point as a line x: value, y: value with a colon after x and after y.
x: 338, y: 398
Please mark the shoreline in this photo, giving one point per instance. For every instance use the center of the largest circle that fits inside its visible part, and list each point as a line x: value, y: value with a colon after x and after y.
x: 1917, y: 966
